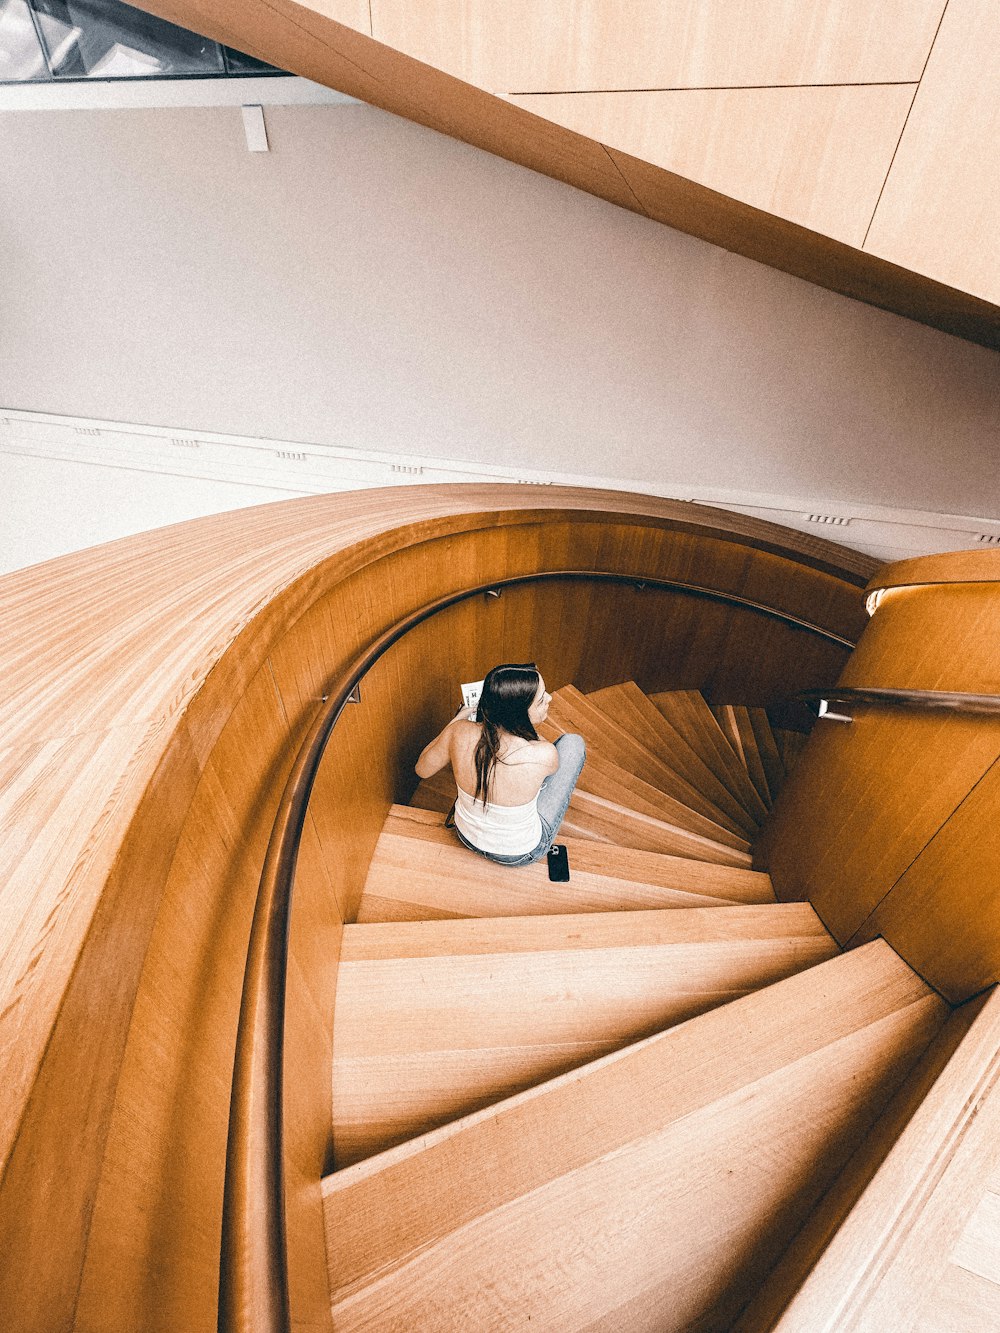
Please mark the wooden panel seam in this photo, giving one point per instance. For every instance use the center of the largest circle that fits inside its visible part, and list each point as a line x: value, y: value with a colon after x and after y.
x: 902, y: 132
x: 858, y: 936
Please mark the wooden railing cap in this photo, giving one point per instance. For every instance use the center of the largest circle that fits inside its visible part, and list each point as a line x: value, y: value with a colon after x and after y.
x: 948, y: 567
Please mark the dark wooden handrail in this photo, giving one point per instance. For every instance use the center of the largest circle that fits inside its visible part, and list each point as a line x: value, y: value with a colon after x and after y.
x: 253, y: 1270
x: 976, y: 705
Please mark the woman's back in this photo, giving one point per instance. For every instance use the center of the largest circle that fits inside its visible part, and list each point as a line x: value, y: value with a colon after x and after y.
x: 521, y: 766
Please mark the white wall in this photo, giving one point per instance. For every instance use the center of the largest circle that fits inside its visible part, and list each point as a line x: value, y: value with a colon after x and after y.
x: 370, y: 284
x: 125, y: 478
x: 53, y: 506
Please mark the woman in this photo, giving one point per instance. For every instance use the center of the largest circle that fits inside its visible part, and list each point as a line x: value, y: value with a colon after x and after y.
x: 513, y: 787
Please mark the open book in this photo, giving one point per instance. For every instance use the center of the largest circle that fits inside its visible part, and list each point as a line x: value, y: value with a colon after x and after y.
x: 471, y: 693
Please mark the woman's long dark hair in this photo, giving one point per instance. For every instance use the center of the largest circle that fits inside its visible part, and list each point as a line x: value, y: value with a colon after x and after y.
x: 508, y: 693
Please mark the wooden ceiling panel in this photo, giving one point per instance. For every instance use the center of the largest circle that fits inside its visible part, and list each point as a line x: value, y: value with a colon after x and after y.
x: 352, y: 13
x: 596, y: 45
x: 820, y: 42
x: 938, y: 214
x: 817, y: 156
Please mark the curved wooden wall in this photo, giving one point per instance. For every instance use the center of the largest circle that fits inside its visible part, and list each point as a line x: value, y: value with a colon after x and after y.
x: 851, y: 144
x: 890, y: 825
x: 156, y: 690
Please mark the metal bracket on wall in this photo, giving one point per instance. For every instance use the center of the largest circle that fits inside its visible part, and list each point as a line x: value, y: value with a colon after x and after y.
x: 353, y: 698
x: 824, y: 711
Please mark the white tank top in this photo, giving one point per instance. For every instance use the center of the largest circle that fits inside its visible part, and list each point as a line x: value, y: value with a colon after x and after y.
x: 504, y: 830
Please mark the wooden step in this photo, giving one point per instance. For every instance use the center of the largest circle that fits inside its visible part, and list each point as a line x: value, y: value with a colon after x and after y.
x: 630, y: 828
x: 420, y: 871
x: 767, y: 748
x: 648, y: 1190
x: 725, y: 715
x: 436, y: 793
x: 920, y: 1249
x: 752, y: 737
x: 572, y: 711
x: 688, y: 712
x: 435, y: 1019
x: 737, y: 723
x: 601, y: 777
x: 579, y: 830
x: 785, y: 1280
x: 595, y: 817
x: 633, y: 711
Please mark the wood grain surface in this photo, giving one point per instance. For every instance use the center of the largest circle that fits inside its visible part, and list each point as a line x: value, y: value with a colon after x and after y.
x: 627, y: 705
x: 644, y: 1180
x: 626, y: 748
x: 420, y: 872
x: 438, y: 1018
x: 609, y: 820
x: 154, y: 688
x: 764, y: 1310
x: 943, y: 913
x: 713, y: 731
x: 888, y: 825
x: 944, y: 187
x: 948, y: 567
x: 565, y: 45
x: 919, y: 1248
x: 814, y: 155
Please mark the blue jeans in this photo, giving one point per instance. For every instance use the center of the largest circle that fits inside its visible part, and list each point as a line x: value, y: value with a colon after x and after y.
x: 553, y: 798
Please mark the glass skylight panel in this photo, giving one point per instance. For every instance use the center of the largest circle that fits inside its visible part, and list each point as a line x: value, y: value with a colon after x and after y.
x: 238, y: 63
x: 21, y: 57
x: 103, y: 39
x: 69, y: 40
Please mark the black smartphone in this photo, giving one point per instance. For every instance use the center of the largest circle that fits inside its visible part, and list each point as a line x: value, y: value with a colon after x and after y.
x: 558, y: 862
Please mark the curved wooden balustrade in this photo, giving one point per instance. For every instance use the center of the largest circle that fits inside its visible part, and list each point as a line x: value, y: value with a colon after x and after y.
x: 894, y: 818
x: 948, y: 567
x: 156, y: 691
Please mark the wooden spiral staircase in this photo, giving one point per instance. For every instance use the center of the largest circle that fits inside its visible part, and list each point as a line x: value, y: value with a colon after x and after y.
x: 607, y: 1104
x: 601, y: 1105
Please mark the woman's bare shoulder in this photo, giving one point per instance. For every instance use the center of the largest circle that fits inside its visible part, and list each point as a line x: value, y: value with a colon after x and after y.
x: 549, y: 755
x: 534, y: 752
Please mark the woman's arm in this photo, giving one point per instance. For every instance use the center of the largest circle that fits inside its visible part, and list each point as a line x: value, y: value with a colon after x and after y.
x: 437, y: 755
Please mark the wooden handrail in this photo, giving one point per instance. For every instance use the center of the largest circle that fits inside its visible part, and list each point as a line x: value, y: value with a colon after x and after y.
x: 253, y: 1270
x: 929, y: 571
x: 944, y: 700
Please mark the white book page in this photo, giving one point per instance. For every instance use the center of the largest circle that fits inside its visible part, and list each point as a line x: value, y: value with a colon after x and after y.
x: 471, y: 693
